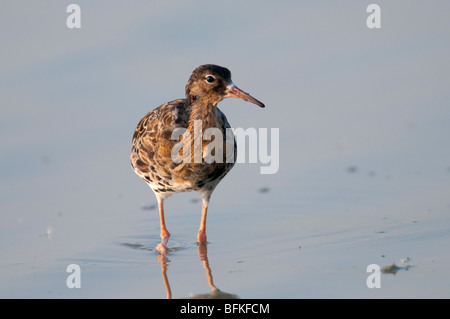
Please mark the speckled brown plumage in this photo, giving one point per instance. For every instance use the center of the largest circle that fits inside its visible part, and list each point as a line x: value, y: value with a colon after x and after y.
x: 151, y: 154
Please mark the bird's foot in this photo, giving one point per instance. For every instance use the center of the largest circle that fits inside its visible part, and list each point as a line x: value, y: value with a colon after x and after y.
x: 162, y: 247
x: 201, y: 237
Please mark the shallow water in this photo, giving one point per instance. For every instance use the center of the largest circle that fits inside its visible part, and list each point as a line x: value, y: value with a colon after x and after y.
x: 364, y: 175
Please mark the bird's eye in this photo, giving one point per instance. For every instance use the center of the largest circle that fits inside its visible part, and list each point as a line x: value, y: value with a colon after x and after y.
x: 210, y: 79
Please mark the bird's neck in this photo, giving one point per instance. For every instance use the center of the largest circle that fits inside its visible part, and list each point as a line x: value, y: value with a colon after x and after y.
x: 204, y: 112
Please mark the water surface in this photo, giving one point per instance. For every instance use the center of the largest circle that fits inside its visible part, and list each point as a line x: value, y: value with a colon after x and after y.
x: 364, y: 174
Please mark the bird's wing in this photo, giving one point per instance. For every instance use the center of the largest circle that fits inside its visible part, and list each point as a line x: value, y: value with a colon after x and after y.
x: 152, y: 143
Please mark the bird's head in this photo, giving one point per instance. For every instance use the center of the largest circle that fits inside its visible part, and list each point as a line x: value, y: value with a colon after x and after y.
x: 211, y: 83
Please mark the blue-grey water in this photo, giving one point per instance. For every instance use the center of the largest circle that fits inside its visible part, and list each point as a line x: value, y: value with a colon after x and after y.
x: 364, y: 149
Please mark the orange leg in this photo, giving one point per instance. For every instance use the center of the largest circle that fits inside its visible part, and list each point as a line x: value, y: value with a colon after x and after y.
x: 162, y: 247
x: 201, y: 237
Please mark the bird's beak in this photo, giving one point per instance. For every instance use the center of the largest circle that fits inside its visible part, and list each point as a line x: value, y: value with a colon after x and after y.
x: 233, y: 91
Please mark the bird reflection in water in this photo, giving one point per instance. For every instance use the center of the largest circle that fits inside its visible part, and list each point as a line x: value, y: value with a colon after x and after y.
x: 215, y: 292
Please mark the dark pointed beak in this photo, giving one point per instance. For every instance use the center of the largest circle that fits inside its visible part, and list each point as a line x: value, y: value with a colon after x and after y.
x: 233, y: 91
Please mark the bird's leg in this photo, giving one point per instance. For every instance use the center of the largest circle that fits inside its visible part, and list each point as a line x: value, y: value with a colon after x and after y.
x: 201, y: 237
x: 162, y: 247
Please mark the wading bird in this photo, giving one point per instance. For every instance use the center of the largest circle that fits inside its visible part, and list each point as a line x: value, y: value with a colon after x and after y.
x: 152, y: 150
